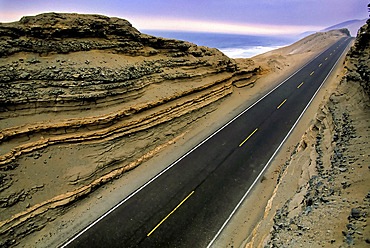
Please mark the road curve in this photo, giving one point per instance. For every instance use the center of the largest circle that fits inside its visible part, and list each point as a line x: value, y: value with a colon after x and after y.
x: 189, y: 203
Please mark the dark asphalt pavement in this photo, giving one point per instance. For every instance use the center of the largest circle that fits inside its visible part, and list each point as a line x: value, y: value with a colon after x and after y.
x: 187, y: 205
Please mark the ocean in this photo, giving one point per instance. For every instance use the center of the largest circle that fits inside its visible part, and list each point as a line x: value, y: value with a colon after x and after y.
x: 233, y: 45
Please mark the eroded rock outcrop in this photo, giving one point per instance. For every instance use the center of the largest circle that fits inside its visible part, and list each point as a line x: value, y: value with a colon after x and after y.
x: 84, y: 98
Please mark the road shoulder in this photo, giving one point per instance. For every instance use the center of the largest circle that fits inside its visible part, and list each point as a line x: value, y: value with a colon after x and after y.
x: 278, y: 199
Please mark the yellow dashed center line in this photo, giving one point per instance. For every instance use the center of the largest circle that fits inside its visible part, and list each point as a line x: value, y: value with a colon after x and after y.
x: 248, y: 137
x: 169, y: 214
x: 239, y: 146
x: 281, y: 104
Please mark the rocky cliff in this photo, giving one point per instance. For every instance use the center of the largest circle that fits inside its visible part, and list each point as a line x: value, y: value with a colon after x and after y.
x: 84, y: 98
x: 43, y: 60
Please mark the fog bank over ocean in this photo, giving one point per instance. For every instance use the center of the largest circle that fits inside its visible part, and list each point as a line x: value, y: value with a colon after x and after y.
x: 233, y: 45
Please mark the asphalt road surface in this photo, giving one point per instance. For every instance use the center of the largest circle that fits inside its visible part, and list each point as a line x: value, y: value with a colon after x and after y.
x: 189, y: 203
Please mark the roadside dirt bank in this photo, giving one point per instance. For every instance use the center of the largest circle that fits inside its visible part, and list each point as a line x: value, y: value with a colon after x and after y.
x: 316, y: 191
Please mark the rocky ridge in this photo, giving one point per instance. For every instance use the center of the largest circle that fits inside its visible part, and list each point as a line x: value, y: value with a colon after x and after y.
x: 37, y: 77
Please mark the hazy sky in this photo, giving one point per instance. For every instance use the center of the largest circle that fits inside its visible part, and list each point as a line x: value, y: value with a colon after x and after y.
x: 230, y: 16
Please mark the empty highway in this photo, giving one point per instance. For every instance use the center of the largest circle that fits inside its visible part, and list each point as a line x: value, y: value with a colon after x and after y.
x: 188, y: 203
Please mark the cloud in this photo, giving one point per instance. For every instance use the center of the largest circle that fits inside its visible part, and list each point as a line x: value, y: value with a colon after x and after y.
x: 11, y: 16
x: 172, y: 24
x: 177, y: 24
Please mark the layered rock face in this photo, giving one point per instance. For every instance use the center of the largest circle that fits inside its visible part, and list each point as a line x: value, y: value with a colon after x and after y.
x: 48, y: 64
x: 84, y: 98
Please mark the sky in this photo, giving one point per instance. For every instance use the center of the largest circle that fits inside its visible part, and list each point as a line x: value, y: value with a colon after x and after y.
x: 254, y: 17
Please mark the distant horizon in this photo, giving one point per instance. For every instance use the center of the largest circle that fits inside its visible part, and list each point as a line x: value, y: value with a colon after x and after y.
x: 232, y: 45
x: 278, y: 32
x: 264, y: 17
x: 183, y: 25
x: 156, y: 29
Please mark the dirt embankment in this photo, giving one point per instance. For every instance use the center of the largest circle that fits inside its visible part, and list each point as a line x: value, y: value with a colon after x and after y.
x: 85, y: 98
x: 322, y: 196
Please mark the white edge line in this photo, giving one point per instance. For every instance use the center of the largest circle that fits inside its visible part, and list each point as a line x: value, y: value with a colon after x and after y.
x: 272, y: 157
x: 182, y: 157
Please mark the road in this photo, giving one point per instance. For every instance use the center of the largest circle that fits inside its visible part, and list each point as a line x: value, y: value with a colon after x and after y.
x: 189, y: 203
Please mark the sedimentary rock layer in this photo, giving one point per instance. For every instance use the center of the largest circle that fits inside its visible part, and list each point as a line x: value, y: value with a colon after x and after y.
x: 84, y: 98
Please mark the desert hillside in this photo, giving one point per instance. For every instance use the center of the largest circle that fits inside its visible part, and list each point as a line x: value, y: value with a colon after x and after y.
x: 86, y: 98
